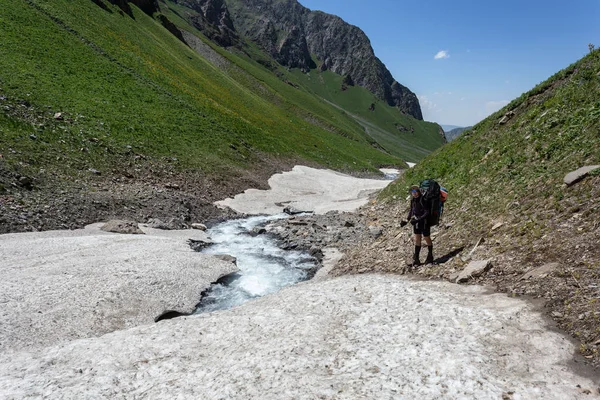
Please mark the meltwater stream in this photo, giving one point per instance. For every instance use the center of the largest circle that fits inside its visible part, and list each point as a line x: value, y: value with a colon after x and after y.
x: 264, y: 267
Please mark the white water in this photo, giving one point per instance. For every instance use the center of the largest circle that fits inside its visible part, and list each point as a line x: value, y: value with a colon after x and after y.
x: 264, y: 267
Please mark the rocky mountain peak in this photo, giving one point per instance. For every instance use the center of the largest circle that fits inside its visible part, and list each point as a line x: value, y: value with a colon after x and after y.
x: 292, y: 34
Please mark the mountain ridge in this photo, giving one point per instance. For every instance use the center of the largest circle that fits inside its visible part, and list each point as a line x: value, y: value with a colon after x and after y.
x: 293, y: 34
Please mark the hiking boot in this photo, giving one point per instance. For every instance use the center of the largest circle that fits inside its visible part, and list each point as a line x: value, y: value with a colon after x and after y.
x: 429, y: 259
x: 416, y: 261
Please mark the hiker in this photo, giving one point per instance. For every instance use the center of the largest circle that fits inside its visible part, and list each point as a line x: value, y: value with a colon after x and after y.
x: 418, y: 217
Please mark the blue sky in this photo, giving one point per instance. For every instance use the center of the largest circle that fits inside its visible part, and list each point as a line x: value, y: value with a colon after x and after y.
x: 493, y: 50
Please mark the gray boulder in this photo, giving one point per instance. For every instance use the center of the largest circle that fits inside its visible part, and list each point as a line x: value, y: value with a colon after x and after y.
x: 199, y: 226
x: 575, y: 176
x: 119, y: 226
x: 375, y: 231
x: 540, y: 272
x: 474, y: 270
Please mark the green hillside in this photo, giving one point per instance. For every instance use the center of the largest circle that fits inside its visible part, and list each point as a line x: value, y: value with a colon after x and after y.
x: 549, y: 131
x: 126, y: 85
x: 505, y: 178
x: 399, y: 134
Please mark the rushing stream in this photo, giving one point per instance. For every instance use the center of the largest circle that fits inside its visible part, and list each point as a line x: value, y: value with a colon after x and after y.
x: 264, y: 267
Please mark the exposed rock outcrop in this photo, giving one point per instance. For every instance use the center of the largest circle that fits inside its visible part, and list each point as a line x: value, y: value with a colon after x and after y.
x: 213, y: 20
x: 293, y: 34
x: 171, y: 27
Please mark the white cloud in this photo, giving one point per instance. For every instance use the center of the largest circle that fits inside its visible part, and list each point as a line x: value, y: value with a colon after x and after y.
x: 493, y: 106
x: 441, y: 54
x: 463, y: 98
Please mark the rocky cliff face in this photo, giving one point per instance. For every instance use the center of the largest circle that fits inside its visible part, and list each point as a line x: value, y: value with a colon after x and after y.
x: 346, y: 50
x: 293, y: 34
x: 213, y: 20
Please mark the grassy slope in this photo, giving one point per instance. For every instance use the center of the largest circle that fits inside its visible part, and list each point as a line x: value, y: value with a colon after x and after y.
x: 413, y: 142
x: 125, y: 82
x: 555, y: 130
x: 512, y: 173
x: 418, y: 139
x: 247, y: 71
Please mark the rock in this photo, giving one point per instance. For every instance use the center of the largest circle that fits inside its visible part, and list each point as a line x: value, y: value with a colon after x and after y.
x: 26, y: 182
x: 293, y: 211
x: 58, y: 116
x: 575, y: 176
x: 348, y: 224
x: 557, y: 314
x: 199, y: 244
x: 453, y: 276
x: 506, y: 117
x: 297, y: 222
x: 198, y: 226
x: 473, y: 270
x: 375, y: 231
x: 173, y: 186
x: 95, y: 171
x: 156, y: 223
x: 316, y: 252
x: 174, y: 223
x: 540, y: 272
x: 497, y: 226
x: 259, y: 230
x: 226, y: 258
x: 120, y: 226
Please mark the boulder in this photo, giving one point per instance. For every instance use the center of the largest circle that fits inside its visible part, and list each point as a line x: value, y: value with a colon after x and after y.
x: 199, y: 244
x: 174, y: 223
x: 157, y: 224
x: 198, y: 226
x: 293, y: 211
x: 473, y: 270
x: 226, y: 258
x: 575, y: 176
x: 540, y: 272
x: 120, y: 226
x: 259, y: 230
x: 375, y: 231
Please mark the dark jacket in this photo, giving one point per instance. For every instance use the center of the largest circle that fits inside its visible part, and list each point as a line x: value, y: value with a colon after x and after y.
x: 419, y: 209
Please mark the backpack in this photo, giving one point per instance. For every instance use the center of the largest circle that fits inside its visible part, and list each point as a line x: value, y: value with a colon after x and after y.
x: 435, y: 196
